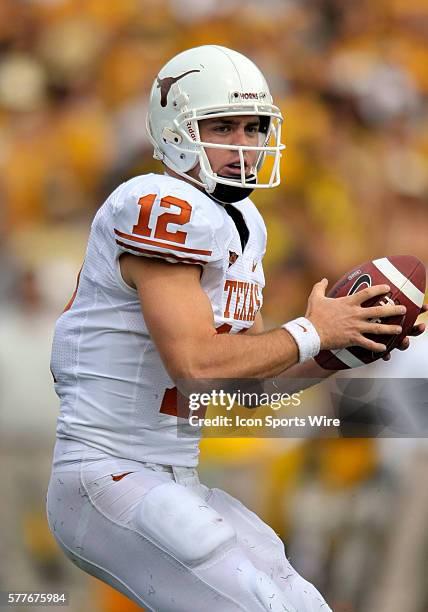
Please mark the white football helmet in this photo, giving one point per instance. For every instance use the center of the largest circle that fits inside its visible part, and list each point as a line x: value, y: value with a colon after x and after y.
x: 212, y: 81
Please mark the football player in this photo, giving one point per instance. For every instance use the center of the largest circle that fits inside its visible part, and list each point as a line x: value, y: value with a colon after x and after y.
x: 174, y: 260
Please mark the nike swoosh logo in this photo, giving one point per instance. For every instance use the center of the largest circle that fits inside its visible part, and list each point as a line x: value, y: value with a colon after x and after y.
x: 304, y: 328
x: 119, y: 476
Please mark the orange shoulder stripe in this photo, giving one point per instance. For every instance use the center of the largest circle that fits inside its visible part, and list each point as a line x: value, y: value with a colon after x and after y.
x: 158, y: 243
x: 159, y: 254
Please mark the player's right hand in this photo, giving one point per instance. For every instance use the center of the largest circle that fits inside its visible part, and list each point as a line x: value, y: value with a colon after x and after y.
x: 342, y: 322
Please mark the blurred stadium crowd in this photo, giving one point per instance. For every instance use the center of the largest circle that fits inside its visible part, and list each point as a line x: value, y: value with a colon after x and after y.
x: 352, y: 82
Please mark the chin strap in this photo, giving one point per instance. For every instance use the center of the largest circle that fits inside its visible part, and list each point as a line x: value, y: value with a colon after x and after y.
x: 228, y: 194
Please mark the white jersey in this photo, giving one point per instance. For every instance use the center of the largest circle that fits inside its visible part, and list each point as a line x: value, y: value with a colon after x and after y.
x: 115, y: 392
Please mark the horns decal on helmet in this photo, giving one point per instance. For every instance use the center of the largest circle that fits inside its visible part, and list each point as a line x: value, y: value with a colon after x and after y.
x: 165, y: 85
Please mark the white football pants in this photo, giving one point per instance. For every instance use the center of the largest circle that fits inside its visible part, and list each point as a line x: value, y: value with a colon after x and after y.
x: 166, y: 541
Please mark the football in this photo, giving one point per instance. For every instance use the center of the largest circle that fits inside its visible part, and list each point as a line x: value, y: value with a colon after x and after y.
x: 406, y: 277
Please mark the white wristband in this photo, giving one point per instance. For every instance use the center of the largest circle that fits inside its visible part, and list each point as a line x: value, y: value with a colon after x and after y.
x: 305, y: 336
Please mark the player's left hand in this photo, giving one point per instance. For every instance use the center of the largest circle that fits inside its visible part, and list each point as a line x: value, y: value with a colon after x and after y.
x: 417, y: 330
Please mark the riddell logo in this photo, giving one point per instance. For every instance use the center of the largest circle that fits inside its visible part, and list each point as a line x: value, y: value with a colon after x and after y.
x: 191, y: 130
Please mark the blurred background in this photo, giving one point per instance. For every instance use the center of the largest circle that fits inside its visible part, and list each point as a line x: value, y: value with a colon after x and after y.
x: 351, y: 79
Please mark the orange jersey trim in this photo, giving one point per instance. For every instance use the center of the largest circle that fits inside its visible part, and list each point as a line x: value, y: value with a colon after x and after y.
x: 158, y: 254
x: 73, y: 297
x: 162, y: 244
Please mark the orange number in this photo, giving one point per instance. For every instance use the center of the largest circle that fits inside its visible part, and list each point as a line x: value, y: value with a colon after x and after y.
x: 169, y: 402
x: 142, y: 227
x: 225, y: 329
x: 165, y: 218
x: 169, y: 405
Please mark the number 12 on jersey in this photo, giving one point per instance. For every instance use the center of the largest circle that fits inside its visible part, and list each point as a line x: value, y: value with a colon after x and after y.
x: 142, y: 228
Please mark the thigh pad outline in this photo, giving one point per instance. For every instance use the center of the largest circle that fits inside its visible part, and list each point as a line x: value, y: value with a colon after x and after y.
x: 183, y: 524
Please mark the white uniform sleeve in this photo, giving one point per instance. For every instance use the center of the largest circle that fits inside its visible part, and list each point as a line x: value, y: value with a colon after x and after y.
x: 167, y: 219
